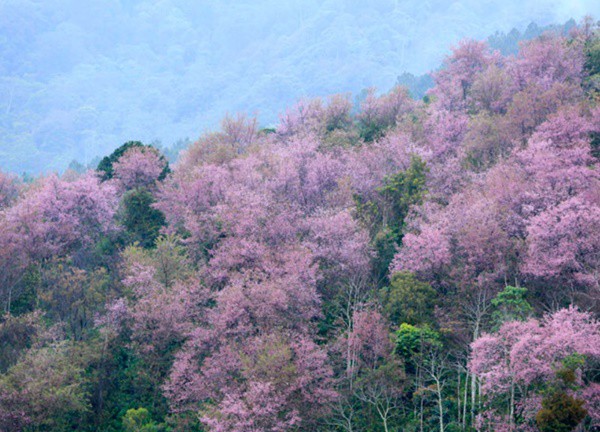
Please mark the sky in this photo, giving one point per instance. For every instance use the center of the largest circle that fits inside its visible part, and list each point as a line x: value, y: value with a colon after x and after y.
x: 77, y: 79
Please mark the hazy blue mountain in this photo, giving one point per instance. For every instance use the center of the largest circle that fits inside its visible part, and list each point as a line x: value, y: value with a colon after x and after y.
x: 77, y: 79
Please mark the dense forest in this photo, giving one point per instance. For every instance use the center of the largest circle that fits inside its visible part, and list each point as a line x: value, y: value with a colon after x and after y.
x: 78, y: 78
x: 415, y: 265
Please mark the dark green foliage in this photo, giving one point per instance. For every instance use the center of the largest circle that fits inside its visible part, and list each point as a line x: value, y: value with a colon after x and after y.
x: 73, y: 296
x: 372, y: 130
x: 591, y: 81
x: 560, y: 412
x: 54, y: 384
x: 413, y: 341
x: 17, y: 333
x: 592, y: 68
x: 385, y: 216
x: 511, y: 304
x: 138, y: 420
x: 595, y: 144
x: 104, y: 248
x: 384, y: 245
x: 571, y: 363
x: 401, y: 191
x: 105, y: 167
x: 186, y: 421
x: 28, y: 287
x: 367, y: 212
x: 408, y: 300
x: 592, y: 57
x: 127, y: 383
x: 267, y: 130
x: 141, y: 221
x: 567, y: 376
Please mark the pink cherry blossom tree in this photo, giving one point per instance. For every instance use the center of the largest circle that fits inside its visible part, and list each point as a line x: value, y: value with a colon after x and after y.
x: 521, y: 356
x: 139, y: 167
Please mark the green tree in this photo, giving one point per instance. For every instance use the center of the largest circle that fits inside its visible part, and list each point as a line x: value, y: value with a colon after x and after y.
x: 413, y: 341
x: 400, y: 192
x: 592, y: 56
x: 138, y: 420
x: 385, y: 216
x: 408, y: 300
x: 73, y: 296
x: 142, y: 221
x: 560, y: 412
x: 510, y: 305
x: 384, y: 244
x: 52, y: 385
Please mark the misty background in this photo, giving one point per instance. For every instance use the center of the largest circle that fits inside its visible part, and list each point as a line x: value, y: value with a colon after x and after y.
x: 79, y: 78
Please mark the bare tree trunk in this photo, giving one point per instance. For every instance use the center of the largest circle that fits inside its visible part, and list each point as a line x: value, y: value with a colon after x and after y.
x: 384, y: 418
x: 354, y: 293
x: 512, y: 404
x: 343, y: 417
x: 100, y: 388
x: 466, y: 392
x: 473, y: 394
x: 437, y: 371
x: 11, y: 288
x: 421, y: 415
x: 440, y: 403
x: 421, y: 401
x: 7, y: 310
x: 476, y: 311
x: 458, y: 407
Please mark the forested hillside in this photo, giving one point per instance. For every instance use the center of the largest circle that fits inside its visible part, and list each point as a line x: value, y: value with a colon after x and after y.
x: 414, y: 265
x: 77, y: 78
